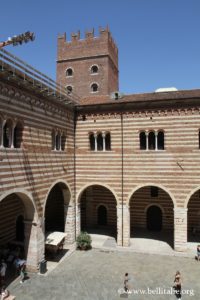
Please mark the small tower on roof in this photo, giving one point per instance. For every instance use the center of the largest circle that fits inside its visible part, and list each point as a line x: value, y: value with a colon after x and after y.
x: 88, y: 66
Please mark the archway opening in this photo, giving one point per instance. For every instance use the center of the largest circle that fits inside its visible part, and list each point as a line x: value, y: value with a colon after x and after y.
x: 152, y: 215
x: 194, y: 218
x: 54, y: 210
x: 57, y: 222
x: 98, y: 211
x: 16, y: 239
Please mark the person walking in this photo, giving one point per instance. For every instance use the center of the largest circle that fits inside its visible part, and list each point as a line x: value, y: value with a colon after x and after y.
x: 126, y: 284
x: 178, y: 285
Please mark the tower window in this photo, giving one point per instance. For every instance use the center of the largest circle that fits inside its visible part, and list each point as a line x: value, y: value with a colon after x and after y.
x: 94, y: 69
x: 69, y: 72
x: 92, y: 142
x: 69, y: 89
x: 94, y: 88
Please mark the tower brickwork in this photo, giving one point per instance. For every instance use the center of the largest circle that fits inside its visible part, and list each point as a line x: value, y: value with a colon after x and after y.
x: 88, y: 66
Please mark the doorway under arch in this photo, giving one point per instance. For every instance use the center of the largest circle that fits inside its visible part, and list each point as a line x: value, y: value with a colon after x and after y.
x: 154, y: 218
x: 102, y: 215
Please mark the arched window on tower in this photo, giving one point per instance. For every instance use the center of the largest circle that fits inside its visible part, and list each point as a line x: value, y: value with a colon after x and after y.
x: 17, y: 135
x: 7, y: 134
x: 143, y: 144
x: 99, y: 142
x: 92, y: 141
x: 69, y: 89
x: 160, y: 138
x: 94, y: 69
x: 151, y: 140
x: 107, y: 141
x: 69, y: 72
x: 94, y: 87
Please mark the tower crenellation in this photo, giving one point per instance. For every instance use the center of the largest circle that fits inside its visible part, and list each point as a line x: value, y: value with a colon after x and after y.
x: 91, y: 62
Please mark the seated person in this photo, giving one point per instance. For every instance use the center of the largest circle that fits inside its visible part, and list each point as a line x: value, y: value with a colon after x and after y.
x: 4, y: 293
x: 198, y: 252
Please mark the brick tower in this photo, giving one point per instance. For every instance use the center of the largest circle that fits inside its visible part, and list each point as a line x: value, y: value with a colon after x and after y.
x: 88, y: 66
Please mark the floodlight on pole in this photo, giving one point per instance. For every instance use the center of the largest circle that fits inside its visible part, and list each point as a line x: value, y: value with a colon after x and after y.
x: 18, y: 39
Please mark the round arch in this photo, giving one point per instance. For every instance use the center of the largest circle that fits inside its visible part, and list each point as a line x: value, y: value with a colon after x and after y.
x: 190, y: 195
x: 62, y: 182
x: 151, y: 184
x: 27, y: 199
x: 79, y: 194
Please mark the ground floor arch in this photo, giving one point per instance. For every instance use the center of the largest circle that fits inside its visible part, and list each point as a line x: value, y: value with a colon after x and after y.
x: 193, y: 218
x: 59, y: 212
x: 152, y: 214
x: 98, y: 210
x: 19, y: 230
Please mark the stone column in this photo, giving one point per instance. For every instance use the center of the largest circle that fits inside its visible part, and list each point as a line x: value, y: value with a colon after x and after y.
x: 34, y: 244
x: 104, y: 141
x: 180, y: 229
x: 147, y: 140
x: 156, y: 141
x: 2, y: 132
x: 95, y: 142
x: 126, y: 225
x: 78, y: 219
x: 69, y: 223
x: 119, y: 225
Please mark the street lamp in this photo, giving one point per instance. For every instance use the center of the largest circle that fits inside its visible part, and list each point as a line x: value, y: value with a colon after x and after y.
x: 18, y: 39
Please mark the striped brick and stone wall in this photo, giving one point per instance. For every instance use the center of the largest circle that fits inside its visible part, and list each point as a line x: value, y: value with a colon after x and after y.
x: 31, y: 171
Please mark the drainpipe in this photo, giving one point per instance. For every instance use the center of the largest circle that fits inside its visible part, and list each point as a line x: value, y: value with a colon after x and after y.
x: 75, y: 114
x: 122, y: 176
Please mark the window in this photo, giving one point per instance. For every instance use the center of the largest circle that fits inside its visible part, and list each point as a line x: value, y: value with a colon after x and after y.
x: 199, y: 139
x: 94, y: 69
x: 143, y: 144
x: 92, y: 142
x: 107, y: 142
x: 160, y: 140
x: 53, y: 140
x: 151, y: 140
x: 94, y: 88
x: 69, y: 72
x: 17, y: 135
x: 63, y: 142
x: 154, y: 191
x: 99, y: 142
x: 69, y: 89
x: 58, y: 141
x: 7, y: 134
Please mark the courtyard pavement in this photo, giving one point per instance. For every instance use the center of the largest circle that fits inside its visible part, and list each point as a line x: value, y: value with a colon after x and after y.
x: 98, y: 274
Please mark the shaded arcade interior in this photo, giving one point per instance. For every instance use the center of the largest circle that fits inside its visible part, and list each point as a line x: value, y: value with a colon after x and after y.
x: 16, y: 215
x: 193, y: 214
x: 98, y: 211
x: 152, y: 215
x: 56, y: 211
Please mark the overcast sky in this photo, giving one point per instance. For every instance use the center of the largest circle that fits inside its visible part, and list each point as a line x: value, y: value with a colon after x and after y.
x: 158, y: 40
